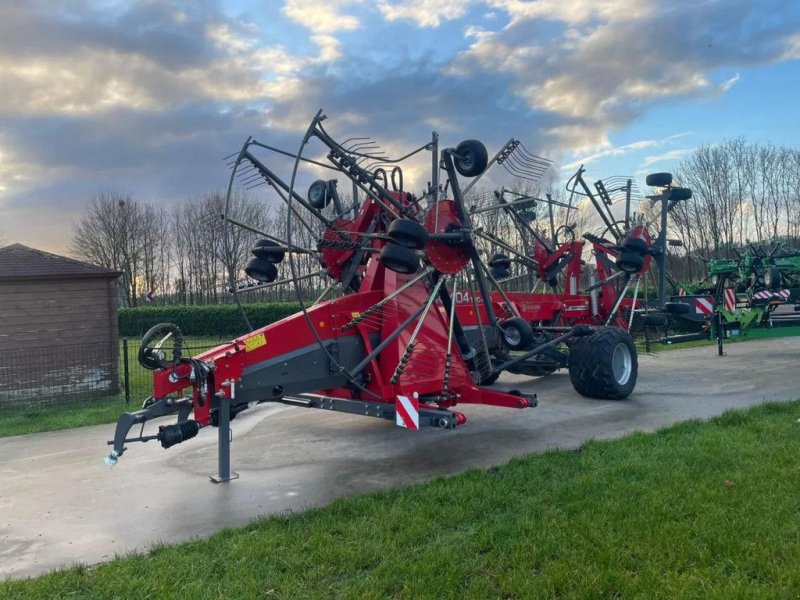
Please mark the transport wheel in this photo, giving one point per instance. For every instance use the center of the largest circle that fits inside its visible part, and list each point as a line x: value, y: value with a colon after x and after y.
x: 471, y: 158
x: 604, y: 364
x: 517, y: 333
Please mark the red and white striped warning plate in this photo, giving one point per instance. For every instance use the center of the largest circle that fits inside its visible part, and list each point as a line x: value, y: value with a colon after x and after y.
x: 704, y: 305
x: 730, y: 298
x: 681, y: 292
x: 783, y: 294
x: 407, y: 412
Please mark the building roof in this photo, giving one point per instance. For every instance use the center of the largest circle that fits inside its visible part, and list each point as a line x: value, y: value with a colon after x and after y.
x: 21, y: 262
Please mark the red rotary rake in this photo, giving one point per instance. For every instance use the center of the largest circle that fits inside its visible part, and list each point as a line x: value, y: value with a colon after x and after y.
x: 393, y: 344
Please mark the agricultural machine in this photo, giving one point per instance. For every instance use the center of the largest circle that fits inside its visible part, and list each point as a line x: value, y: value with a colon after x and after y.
x: 417, y: 322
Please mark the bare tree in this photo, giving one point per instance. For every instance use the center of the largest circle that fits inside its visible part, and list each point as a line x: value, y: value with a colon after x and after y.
x: 110, y: 234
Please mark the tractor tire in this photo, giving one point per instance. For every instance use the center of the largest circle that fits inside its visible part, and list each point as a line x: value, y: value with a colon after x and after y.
x: 269, y: 251
x: 603, y: 365
x: 659, y: 179
x: 772, y: 279
x: 517, y: 333
x: 261, y: 270
x: 471, y: 158
x: 399, y: 259
x: 408, y: 233
x: 630, y: 262
x: 677, y: 194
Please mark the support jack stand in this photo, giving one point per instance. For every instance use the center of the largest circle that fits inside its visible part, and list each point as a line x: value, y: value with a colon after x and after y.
x: 224, y: 473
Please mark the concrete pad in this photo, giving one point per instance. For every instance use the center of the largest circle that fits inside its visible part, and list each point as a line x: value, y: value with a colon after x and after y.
x: 59, y: 504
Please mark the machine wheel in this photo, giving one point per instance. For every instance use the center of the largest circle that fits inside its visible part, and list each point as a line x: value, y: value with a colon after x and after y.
x: 471, y: 158
x: 489, y: 380
x: 319, y: 194
x: 630, y: 262
x: 269, y: 251
x: 654, y: 320
x: 772, y: 278
x: 635, y: 245
x: 517, y: 333
x: 659, y: 179
x: 678, y: 194
x: 677, y: 308
x: 604, y: 365
x: 408, y: 233
x: 399, y: 259
x: 261, y: 270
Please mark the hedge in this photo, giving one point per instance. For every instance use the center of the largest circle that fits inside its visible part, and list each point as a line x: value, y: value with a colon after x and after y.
x: 222, y: 320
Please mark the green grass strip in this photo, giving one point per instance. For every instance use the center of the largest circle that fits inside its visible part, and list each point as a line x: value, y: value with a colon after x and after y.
x: 698, y: 510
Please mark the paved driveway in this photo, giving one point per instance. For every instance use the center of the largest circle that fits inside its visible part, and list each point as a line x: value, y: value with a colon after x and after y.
x: 59, y: 504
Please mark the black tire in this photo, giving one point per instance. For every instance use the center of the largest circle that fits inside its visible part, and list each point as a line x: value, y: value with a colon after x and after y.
x: 318, y: 194
x: 490, y: 379
x: 635, y: 245
x: 630, y: 262
x: 498, y: 272
x: 500, y: 260
x: 773, y: 279
x: 269, y: 251
x: 517, y: 333
x: 659, y: 179
x: 656, y: 320
x: 471, y: 158
x: 604, y: 364
x: 677, y: 308
x: 399, y: 259
x: 261, y: 270
x: 677, y: 194
x: 408, y: 233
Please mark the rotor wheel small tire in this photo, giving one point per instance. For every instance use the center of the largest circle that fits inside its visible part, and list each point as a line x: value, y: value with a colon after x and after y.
x: 517, y: 333
x: 269, y: 251
x: 500, y: 260
x: 677, y: 308
x: 408, y: 233
x: 490, y: 379
x: 655, y: 321
x: 604, y: 365
x: 318, y: 194
x: 471, y: 158
x: 261, y: 270
x: 399, y: 259
x: 679, y: 193
x: 659, y: 179
x: 772, y: 279
x: 630, y: 262
x: 635, y: 245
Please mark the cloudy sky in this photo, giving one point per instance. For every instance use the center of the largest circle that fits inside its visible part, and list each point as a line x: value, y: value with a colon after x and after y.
x: 148, y: 97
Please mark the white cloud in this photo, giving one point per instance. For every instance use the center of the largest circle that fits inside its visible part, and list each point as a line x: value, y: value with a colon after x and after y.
x: 424, y: 13
x: 322, y: 16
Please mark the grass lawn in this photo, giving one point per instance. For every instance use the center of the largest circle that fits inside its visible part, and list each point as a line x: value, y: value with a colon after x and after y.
x: 700, y: 510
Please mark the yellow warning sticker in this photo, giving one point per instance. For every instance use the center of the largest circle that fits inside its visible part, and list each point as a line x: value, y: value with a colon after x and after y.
x: 255, y: 341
